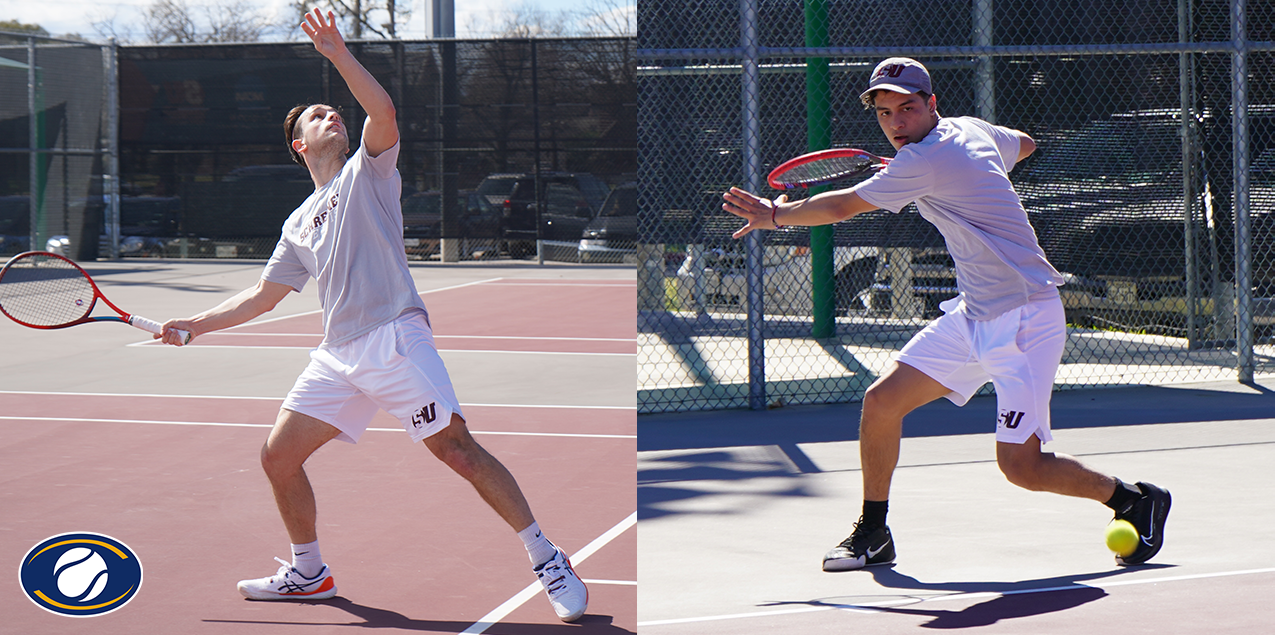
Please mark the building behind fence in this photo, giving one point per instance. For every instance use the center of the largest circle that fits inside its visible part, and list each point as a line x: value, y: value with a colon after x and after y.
x: 1152, y: 189
x: 510, y: 148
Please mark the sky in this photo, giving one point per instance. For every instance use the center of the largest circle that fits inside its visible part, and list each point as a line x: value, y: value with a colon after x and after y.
x: 77, y: 16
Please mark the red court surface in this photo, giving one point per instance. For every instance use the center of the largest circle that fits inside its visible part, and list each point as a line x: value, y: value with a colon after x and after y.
x: 412, y: 547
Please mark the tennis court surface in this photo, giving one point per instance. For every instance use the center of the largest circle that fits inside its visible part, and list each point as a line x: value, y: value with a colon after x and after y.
x: 157, y: 447
x: 737, y: 509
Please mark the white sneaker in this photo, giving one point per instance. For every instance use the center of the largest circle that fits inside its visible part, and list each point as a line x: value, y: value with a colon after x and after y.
x: 567, y: 593
x: 289, y: 584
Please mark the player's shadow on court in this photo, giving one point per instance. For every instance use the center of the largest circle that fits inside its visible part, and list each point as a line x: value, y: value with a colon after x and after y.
x: 372, y: 617
x: 1026, y: 598
x: 1011, y: 600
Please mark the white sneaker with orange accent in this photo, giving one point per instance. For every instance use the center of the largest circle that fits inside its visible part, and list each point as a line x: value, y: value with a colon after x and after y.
x: 566, y: 591
x: 289, y: 584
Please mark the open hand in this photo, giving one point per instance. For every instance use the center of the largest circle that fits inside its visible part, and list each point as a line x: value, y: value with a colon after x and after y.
x: 327, y: 39
x: 759, y: 212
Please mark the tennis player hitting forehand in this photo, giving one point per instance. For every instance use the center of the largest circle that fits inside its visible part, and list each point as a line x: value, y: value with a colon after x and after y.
x: 1006, y: 325
x: 378, y: 348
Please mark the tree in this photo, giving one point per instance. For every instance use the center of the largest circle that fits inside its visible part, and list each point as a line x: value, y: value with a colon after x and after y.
x: 177, y: 22
x: 358, y: 18
x: 18, y: 27
x: 609, y: 18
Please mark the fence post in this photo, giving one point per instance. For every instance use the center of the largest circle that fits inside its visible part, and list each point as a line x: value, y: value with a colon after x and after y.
x: 1243, y: 235
x: 1190, y: 145
x: 753, y: 254
x: 985, y: 85
x: 819, y: 137
x: 111, y: 182
x: 36, y: 186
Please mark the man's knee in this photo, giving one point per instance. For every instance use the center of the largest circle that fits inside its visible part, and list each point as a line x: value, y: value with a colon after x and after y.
x: 900, y: 391
x: 1020, y: 464
x: 880, y: 399
x: 277, y: 463
x: 456, y: 448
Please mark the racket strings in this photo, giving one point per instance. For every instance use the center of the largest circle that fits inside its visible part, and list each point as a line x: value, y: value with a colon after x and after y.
x: 823, y: 170
x: 42, y: 291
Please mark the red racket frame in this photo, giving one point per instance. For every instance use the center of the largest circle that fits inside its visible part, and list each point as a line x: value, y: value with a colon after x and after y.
x: 821, y: 155
x: 135, y: 321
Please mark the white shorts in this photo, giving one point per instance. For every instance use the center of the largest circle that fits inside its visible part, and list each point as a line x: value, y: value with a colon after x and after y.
x: 1018, y: 352
x: 395, y: 368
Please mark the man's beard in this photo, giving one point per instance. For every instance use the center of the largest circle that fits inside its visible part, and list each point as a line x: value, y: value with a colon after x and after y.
x: 335, y: 147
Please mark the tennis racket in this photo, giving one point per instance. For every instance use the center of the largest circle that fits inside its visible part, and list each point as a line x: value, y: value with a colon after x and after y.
x: 823, y: 167
x: 46, y: 291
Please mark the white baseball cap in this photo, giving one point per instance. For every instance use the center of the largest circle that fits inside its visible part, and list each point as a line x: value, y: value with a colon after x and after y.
x: 899, y: 74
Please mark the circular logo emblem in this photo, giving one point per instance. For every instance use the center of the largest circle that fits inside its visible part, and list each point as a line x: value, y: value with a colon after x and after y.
x: 81, y: 574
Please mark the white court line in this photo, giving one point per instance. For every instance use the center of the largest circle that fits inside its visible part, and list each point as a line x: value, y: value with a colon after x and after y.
x: 516, y: 338
x: 219, y: 424
x: 868, y: 606
x: 157, y: 345
x: 535, y: 588
x: 147, y: 395
x: 582, y: 285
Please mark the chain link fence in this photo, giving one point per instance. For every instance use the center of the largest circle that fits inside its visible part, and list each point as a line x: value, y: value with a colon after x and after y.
x: 510, y: 148
x: 54, y: 142
x: 1147, y: 190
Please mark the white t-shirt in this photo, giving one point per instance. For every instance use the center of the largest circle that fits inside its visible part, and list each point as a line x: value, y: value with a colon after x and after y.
x: 959, y: 178
x: 349, y: 236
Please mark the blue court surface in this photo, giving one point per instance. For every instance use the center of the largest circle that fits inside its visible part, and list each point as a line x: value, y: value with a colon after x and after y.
x: 737, y: 508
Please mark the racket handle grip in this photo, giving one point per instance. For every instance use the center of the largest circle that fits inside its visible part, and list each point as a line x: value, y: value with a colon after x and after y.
x: 147, y: 324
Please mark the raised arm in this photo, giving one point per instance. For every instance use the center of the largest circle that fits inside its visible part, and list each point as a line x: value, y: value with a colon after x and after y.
x: 380, y: 132
x: 244, y: 306
x: 821, y: 209
x: 1026, y: 146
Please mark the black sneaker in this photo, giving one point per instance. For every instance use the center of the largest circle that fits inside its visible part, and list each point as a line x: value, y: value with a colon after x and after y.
x: 1147, y: 515
x: 865, y: 547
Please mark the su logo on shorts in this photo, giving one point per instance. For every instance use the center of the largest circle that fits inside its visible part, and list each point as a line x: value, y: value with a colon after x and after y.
x: 1010, y: 419
x: 81, y: 574
x: 425, y: 415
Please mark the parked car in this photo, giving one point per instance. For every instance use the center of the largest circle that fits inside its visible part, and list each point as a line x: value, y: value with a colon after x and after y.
x: 612, y: 235
x: 15, y: 224
x: 478, y: 225
x: 242, y: 212
x: 568, y: 199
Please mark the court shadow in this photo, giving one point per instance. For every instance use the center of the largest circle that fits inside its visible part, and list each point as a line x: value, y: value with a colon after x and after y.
x: 1010, y: 600
x: 372, y: 617
x: 674, y: 479
x: 888, y: 576
x: 1003, y: 607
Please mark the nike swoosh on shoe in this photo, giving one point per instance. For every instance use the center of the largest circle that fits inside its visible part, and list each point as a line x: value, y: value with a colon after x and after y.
x: 873, y: 554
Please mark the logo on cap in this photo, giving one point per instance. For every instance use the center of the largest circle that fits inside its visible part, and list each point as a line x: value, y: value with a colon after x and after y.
x: 80, y: 574
x: 893, y: 70
x: 900, y: 75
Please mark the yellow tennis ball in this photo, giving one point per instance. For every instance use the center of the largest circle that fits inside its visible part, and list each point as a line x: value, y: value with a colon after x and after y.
x: 1122, y: 538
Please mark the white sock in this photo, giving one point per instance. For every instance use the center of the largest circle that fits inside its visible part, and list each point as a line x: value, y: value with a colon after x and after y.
x: 539, y: 549
x: 306, y: 559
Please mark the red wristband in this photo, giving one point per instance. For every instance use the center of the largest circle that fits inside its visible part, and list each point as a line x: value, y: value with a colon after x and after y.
x: 773, y: 209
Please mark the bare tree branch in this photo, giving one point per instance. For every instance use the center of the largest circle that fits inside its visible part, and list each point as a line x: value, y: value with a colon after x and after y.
x: 168, y: 21
x: 174, y: 21
x: 356, y: 16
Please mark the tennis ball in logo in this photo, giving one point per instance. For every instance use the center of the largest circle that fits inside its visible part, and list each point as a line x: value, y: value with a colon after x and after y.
x: 1122, y: 538
x: 81, y: 574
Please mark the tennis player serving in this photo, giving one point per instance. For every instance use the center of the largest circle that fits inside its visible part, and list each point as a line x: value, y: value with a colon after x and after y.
x: 378, y: 347
x: 1006, y: 325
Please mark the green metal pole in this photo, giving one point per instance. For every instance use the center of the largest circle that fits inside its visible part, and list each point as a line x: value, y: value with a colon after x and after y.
x: 819, y: 137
